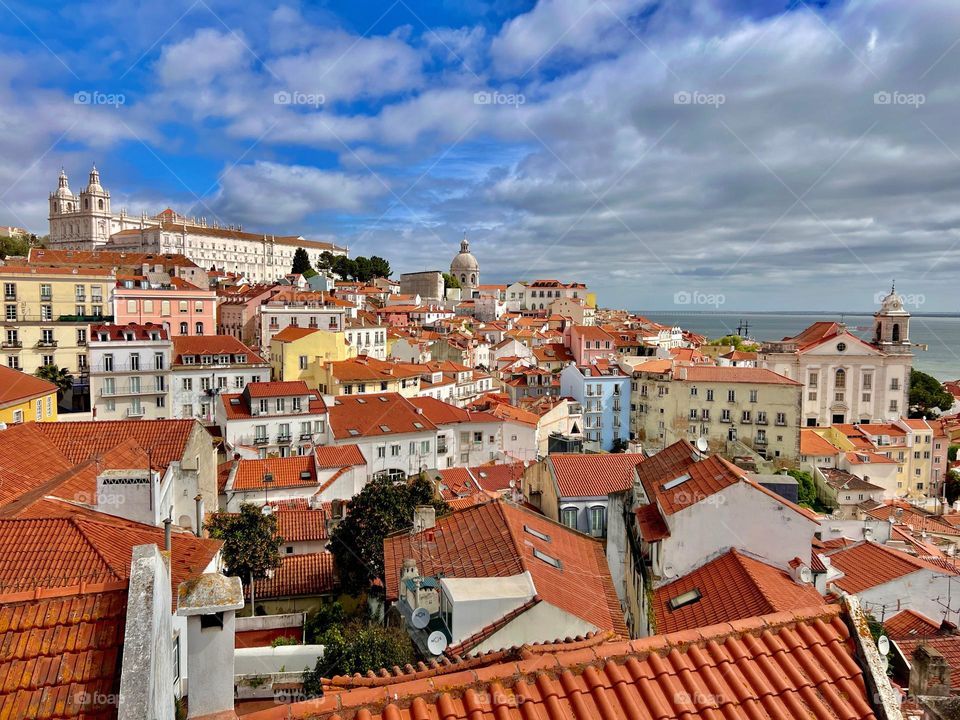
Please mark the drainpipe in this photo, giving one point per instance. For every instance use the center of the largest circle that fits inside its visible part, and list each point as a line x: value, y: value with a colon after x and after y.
x: 167, y: 542
x: 199, y: 501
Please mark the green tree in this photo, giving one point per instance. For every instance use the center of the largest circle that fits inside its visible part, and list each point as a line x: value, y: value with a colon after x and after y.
x: 952, y: 452
x: 951, y: 486
x: 14, y: 246
x: 382, y: 507
x: 357, y: 648
x: 301, y: 262
x: 344, y: 267
x: 927, y: 396
x: 251, y: 545
x: 619, y: 446
x: 806, y: 488
x: 60, y: 377
x: 449, y: 281
x: 380, y: 267
x: 363, y: 271
x: 326, y: 260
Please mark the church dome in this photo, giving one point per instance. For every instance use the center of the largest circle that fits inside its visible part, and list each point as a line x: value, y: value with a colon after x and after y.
x: 892, y: 303
x: 464, y: 260
x: 94, y: 184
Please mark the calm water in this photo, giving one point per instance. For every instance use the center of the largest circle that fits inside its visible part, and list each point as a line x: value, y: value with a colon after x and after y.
x: 940, y: 334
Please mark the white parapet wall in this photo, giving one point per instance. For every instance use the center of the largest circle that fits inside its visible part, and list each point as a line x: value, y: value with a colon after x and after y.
x: 257, y: 670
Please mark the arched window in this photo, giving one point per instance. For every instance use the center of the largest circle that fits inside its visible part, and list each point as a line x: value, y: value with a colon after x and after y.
x: 896, y: 332
x: 473, y: 279
x: 199, y: 328
x: 184, y: 328
x: 86, y: 204
x: 568, y: 516
x: 841, y: 378
x: 100, y: 204
x: 598, y: 521
x: 463, y: 278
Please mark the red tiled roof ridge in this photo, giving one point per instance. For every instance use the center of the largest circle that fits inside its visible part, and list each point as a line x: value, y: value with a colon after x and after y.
x: 468, y: 643
x: 49, y: 593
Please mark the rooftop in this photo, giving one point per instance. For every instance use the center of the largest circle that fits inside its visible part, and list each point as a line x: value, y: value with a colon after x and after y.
x: 593, y: 475
x: 376, y: 414
x: 868, y: 564
x: 17, y: 387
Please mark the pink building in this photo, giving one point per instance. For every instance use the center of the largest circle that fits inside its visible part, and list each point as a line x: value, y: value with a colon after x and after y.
x: 589, y: 343
x: 185, y: 308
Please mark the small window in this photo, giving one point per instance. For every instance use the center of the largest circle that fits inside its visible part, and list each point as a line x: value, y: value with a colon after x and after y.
x: 552, y: 561
x: 536, y: 533
x: 687, y: 598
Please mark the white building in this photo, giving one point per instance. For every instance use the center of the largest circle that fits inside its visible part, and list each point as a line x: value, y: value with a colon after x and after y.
x: 129, y: 371
x: 539, y: 294
x: 393, y: 434
x: 310, y: 310
x: 272, y: 419
x: 464, y: 438
x: 846, y: 379
x: 204, y: 367
x: 368, y: 338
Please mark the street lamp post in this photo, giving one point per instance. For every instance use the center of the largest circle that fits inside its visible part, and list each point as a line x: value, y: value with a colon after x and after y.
x: 267, y: 482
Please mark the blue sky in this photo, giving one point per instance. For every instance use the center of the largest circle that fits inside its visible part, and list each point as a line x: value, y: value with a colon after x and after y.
x: 764, y: 155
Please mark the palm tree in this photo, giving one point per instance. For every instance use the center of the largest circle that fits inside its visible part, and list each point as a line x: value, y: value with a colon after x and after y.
x: 60, y: 377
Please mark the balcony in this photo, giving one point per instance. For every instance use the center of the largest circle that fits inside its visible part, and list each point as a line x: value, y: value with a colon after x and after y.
x: 119, y: 390
x: 284, y: 438
x: 306, y: 436
x: 135, y: 412
x: 10, y: 297
x: 80, y: 298
x: 86, y: 318
x: 261, y: 441
x: 11, y: 344
x: 46, y: 343
x: 760, y: 441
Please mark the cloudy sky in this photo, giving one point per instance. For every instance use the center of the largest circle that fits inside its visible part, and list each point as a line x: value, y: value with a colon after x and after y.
x: 769, y: 155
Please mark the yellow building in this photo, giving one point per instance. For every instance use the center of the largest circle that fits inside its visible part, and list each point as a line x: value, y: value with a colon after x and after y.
x: 365, y: 375
x: 47, y: 312
x: 25, y: 398
x: 300, y: 353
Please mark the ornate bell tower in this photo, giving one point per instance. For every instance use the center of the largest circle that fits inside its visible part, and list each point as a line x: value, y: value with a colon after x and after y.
x: 891, y: 325
x: 94, y: 213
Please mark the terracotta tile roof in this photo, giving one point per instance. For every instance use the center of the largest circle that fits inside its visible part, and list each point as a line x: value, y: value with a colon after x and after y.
x: 732, y: 587
x: 490, y: 541
x: 369, y: 368
x: 788, y: 666
x: 278, y: 388
x: 301, y: 525
x: 467, y: 644
x: 120, y: 332
x: 651, y: 524
x: 654, y: 366
x: 581, y: 475
x: 38, y: 270
x: 869, y: 564
x: 909, y: 624
x: 443, y: 413
x: 299, y: 576
x: 60, y: 653
x: 212, y: 345
x: 338, y: 456
x: 240, y: 410
x: 750, y: 375
x: 457, y: 482
x: 496, y: 478
x: 107, y: 258
x: 87, y: 546
x: 842, y: 480
x: 294, y: 332
x: 287, y: 472
x: 77, y: 441
x: 375, y: 414
x: 918, y: 520
x: 814, y: 445
x: 17, y: 387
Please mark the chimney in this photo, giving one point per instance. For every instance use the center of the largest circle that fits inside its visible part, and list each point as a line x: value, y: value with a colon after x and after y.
x: 167, y: 541
x: 929, y: 672
x: 199, y: 501
x: 210, y: 603
x: 424, y: 518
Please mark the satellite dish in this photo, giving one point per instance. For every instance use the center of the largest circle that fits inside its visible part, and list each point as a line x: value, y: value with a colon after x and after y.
x: 805, y: 575
x: 883, y: 644
x: 266, y: 510
x: 437, y: 642
x: 702, y: 445
x: 420, y: 618
x: 513, y: 484
x: 669, y: 570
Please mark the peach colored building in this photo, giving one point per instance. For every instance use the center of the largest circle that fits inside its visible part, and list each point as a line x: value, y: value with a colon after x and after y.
x: 184, y: 308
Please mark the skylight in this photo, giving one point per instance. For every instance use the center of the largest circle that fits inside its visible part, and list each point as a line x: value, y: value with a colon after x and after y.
x: 536, y: 533
x: 361, y: 401
x: 353, y: 431
x: 418, y: 426
x: 552, y: 561
x: 383, y: 399
x: 385, y: 428
x: 688, y: 598
x: 669, y: 485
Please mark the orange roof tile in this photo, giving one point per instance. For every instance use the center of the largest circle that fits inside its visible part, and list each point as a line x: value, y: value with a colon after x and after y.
x: 593, y: 475
x: 17, y: 386
x: 298, y: 576
x: 789, y: 666
x: 301, y: 525
x: 294, y: 332
x: 288, y: 472
x: 338, y: 456
x: 909, y: 624
x: 78, y: 441
x: 732, y: 587
x: 814, y: 445
x: 60, y: 653
x: 750, y: 375
x: 212, y: 345
x: 489, y: 540
x: 869, y: 564
x: 278, y: 388
x: 375, y: 414
x: 948, y: 646
x: 651, y: 524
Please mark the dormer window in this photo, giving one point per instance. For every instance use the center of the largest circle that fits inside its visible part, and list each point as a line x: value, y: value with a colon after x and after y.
x: 240, y: 358
x: 188, y: 360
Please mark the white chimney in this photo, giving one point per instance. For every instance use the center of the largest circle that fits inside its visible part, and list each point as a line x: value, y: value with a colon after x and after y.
x: 424, y: 517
